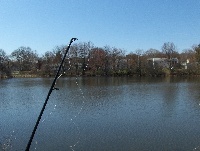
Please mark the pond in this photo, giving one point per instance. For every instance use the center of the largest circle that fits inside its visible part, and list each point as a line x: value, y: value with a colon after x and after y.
x: 101, y: 113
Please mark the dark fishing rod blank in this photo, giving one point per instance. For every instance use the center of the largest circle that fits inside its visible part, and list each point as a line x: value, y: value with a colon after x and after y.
x: 49, y: 93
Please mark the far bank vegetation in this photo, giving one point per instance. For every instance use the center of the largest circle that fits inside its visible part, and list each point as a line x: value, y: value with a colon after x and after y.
x: 84, y: 59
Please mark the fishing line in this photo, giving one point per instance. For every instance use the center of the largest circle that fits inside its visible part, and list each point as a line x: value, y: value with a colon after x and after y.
x: 75, y: 116
x: 72, y: 147
x: 49, y: 114
x: 72, y: 120
x: 35, y: 145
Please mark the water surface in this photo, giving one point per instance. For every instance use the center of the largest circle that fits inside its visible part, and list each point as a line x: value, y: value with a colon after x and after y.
x: 102, y: 114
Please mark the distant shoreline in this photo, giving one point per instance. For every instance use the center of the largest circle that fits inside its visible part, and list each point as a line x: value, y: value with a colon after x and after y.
x: 52, y: 76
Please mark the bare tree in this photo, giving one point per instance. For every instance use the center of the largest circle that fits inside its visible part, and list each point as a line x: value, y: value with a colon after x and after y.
x: 107, y: 64
x: 73, y: 58
x: 25, y: 58
x: 132, y: 62
x: 169, y: 49
x: 97, y: 60
x: 84, y: 52
x: 153, y: 53
x: 197, y: 53
x: 139, y: 53
x: 187, y: 54
x: 48, y: 59
x: 115, y: 58
x: 4, y: 63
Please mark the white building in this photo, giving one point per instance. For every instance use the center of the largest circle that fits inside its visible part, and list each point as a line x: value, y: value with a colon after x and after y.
x: 162, y: 62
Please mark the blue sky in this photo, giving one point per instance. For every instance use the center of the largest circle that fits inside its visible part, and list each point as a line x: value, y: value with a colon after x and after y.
x: 125, y: 24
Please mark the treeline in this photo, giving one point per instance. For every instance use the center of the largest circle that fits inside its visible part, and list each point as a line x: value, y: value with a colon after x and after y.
x: 87, y: 60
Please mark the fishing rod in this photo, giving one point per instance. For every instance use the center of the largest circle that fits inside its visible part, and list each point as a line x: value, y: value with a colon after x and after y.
x: 49, y: 93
